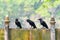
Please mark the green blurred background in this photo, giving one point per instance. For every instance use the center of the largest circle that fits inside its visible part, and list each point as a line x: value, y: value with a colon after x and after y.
x: 27, y: 9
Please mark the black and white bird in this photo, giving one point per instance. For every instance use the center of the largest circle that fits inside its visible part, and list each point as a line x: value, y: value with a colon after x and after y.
x: 31, y: 23
x: 43, y: 23
x: 18, y: 23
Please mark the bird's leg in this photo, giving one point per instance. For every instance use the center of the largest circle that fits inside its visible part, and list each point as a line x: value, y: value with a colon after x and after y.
x: 17, y: 27
x: 32, y: 27
x: 42, y: 27
x: 45, y: 28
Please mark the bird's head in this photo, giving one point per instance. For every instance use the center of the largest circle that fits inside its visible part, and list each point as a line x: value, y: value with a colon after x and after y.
x: 27, y: 20
x: 40, y: 19
x: 16, y: 19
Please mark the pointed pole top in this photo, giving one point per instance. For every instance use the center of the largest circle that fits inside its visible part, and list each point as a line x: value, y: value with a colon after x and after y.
x: 6, y: 15
x: 7, y: 20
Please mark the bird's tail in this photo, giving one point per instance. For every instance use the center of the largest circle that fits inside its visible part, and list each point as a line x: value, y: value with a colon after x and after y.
x: 35, y: 26
x: 20, y: 26
x: 47, y: 27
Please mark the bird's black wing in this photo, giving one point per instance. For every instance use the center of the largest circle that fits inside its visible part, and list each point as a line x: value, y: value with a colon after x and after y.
x: 44, y: 24
x: 18, y: 24
x: 31, y: 23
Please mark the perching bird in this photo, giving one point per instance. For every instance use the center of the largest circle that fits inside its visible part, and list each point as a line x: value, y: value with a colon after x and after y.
x: 18, y: 23
x: 31, y: 23
x: 43, y: 23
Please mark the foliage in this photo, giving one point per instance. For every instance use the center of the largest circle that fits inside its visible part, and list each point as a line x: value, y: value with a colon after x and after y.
x: 22, y: 8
